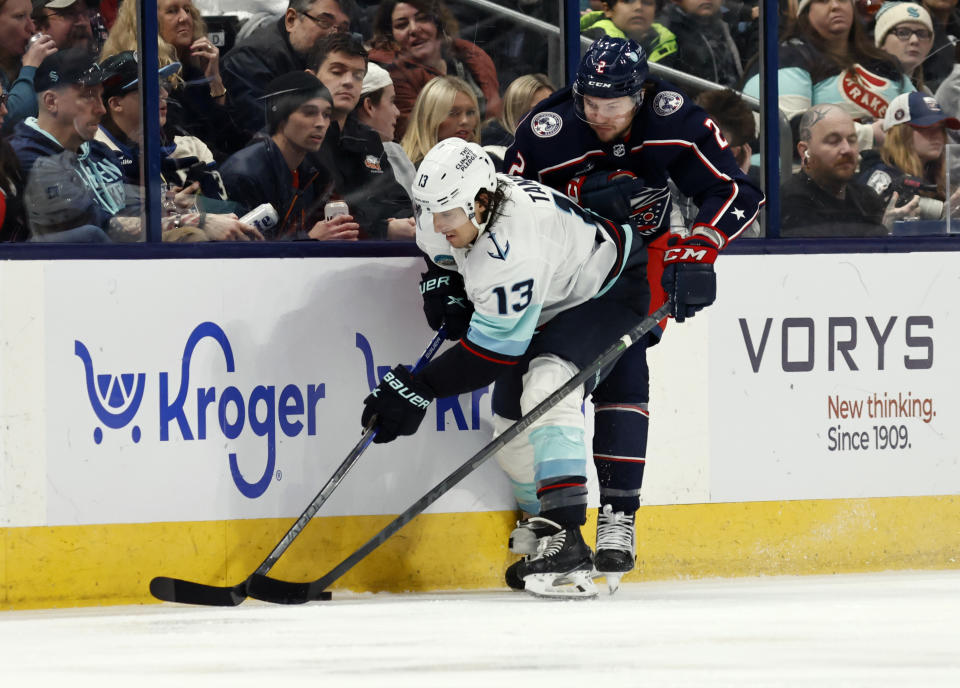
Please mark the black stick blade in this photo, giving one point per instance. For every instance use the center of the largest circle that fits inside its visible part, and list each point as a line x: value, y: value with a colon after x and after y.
x: 188, y: 592
x: 283, y: 592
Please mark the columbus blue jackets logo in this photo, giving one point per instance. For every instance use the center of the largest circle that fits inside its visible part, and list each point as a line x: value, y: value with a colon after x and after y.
x: 650, y: 208
x: 667, y: 102
x: 546, y: 124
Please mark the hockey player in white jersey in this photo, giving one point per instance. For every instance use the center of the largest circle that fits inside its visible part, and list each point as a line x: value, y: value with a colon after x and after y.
x: 551, y: 286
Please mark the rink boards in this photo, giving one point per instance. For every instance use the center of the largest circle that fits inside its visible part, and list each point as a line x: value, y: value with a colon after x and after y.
x: 173, y: 416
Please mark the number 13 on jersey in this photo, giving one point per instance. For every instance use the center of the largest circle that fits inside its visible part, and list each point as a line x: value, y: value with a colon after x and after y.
x: 521, y: 292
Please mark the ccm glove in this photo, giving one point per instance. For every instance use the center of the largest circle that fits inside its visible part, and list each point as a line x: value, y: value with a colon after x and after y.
x: 688, y: 276
x: 445, y: 301
x: 399, y: 403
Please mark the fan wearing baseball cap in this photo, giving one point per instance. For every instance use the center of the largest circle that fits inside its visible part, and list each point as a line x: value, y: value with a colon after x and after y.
x: 120, y: 127
x: 910, y: 168
x: 378, y: 110
x: 69, y: 89
x: 67, y: 22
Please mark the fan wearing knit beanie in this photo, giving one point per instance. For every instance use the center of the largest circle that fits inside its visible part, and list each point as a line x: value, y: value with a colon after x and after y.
x: 827, y: 57
x: 905, y: 31
x: 275, y: 169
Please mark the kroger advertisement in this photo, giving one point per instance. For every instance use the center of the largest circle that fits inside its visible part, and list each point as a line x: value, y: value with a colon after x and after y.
x: 835, y: 376
x: 200, y: 390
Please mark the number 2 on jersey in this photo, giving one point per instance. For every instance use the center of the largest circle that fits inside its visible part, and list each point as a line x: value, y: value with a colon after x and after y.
x: 524, y: 291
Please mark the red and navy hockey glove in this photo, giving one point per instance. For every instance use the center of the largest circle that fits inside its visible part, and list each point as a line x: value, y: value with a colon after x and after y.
x: 445, y: 301
x: 399, y: 403
x: 622, y: 197
x: 688, y: 276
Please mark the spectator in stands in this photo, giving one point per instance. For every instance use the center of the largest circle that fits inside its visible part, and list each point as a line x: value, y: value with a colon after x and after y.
x: 705, y: 45
x: 276, y: 48
x: 275, y: 169
x: 67, y: 22
x: 827, y: 58
x: 911, y: 167
x: 417, y: 41
x: 521, y: 95
x: 946, y: 31
x: 13, y: 219
x: 905, y: 31
x: 120, y: 131
x: 19, y: 59
x: 74, y: 184
x: 445, y: 107
x: 198, y: 102
x: 378, y: 110
x: 743, y: 18
x: 738, y: 129
x: 352, y: 152
x: 633, y: 19
x: 948, y: 95
x: 822, y: 199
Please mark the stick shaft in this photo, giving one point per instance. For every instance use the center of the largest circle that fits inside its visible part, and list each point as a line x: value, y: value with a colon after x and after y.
x: 444, y: 486
x: 340, y: 473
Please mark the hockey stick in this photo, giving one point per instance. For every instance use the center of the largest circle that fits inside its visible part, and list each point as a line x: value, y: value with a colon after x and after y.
x: 189, y: 592
x: 269, y: 589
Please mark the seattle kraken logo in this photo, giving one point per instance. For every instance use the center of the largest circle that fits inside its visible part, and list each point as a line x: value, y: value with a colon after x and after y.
x: 114, y: 398
x: 501, y: 253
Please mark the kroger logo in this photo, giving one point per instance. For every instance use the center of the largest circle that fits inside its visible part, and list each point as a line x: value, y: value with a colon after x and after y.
x: 226, y: 412
x: 116, y: 400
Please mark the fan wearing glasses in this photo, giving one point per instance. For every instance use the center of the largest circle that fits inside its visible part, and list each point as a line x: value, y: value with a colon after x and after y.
x: 67, y: 22
x: 905, y: 31
x: 275, y: 48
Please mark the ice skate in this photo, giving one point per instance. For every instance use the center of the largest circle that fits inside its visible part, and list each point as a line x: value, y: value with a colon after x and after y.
x: 561, y: 568
x: 616, y: 546
x: 529, y: 532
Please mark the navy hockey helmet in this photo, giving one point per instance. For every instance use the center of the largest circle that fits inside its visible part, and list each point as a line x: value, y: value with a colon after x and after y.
x: 612, y: 68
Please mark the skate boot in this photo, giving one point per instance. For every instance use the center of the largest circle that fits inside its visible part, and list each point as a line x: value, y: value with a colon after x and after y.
x: 529, y: 537
x: 616, y: 545
x: 528, y: 533
x: 561, y: 568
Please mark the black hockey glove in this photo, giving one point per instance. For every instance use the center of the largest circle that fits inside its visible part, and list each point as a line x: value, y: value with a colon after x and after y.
x: 399, y: 403
x: 445, y: 301
x: 688, y: 276
x: 622, y: 197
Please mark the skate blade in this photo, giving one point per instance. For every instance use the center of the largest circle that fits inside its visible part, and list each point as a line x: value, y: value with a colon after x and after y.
x: 612, y: 579
x: 577, y: 585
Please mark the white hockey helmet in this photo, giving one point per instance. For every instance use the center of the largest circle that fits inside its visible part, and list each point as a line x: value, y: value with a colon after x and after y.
x: 451, y: 175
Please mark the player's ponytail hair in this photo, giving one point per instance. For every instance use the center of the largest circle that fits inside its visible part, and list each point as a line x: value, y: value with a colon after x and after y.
x: 495, y: 207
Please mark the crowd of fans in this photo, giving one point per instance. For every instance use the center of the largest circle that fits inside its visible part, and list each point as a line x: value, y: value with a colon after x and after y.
x: 333, y: 102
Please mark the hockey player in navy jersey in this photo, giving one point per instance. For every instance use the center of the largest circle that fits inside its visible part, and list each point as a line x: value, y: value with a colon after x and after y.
x: 610, y: 141
x: 541, y: 287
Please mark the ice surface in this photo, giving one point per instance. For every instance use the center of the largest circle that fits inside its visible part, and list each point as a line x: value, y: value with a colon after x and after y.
x: 885, y: 629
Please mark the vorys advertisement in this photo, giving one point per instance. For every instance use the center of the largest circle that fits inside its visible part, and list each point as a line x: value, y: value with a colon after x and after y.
x: 834, y: 376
